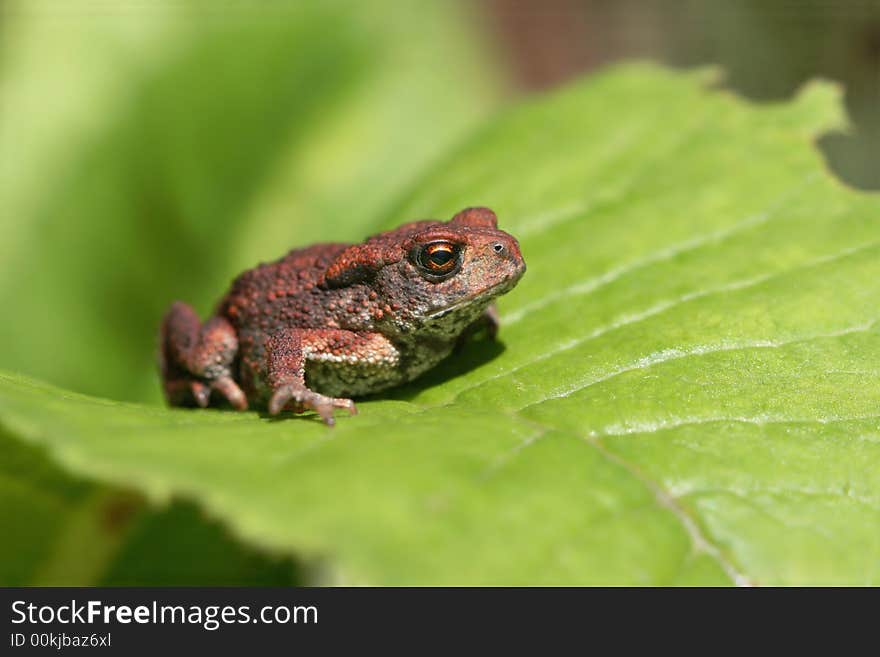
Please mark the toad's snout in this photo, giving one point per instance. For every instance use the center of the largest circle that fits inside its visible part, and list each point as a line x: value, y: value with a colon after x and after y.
x: 507, y: 250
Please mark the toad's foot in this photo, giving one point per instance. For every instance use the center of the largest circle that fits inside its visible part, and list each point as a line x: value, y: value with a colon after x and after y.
x: 186, y: 391
x: 299, y: 399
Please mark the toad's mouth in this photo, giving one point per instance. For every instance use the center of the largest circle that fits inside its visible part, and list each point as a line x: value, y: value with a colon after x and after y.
x: 443, y: 312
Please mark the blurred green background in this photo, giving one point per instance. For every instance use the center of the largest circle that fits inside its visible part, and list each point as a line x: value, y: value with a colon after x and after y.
x: 151, y: 150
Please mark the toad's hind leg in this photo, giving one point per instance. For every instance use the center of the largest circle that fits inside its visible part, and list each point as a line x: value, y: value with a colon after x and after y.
x: 197, y: 358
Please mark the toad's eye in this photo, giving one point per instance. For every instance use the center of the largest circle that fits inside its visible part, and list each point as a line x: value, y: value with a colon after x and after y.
x: 439, y: 259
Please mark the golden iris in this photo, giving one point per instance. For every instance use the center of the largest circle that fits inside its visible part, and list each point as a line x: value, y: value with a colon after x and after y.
x: 439, y: 257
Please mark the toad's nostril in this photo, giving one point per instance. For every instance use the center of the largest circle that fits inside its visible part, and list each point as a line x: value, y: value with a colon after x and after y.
x: 498, y: 247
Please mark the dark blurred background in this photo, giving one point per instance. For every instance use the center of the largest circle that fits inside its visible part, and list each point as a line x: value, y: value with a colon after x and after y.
x: 767, y: 49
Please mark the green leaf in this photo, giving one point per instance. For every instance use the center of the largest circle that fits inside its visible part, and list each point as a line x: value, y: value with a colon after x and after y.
x: 687, y: 391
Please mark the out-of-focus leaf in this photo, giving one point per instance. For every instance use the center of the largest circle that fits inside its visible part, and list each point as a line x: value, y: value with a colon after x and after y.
x: 687, y: 392
x: 62, y: 530
x: 149, y: 151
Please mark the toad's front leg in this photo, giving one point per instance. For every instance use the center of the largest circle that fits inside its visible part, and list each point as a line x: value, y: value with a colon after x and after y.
x: 488, y: 322
x: 288, y: 351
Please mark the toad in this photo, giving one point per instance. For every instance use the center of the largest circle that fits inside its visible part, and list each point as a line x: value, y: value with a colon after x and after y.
x: 334, y: 321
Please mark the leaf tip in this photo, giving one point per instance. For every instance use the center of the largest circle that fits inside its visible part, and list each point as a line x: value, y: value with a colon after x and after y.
x: 819, y: 102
